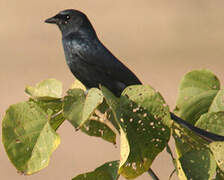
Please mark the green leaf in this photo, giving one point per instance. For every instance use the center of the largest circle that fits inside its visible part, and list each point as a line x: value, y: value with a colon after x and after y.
x: 197, y: 165
x: 186, y: 140
x: 79, y: 108
x: 93, y: 99
x: 196, y: 92
x: 54, y: 110
x: 47, y: 89
x: 108, y: 117
x: 212, y: 122
x: 196, y: 106
x: 28, y: 137
x: 78, y: 85
x: 202, y: 79
x: 179, y: 170
x: 73, y: 105
x: 107, y: 171
x: 219, y: 174
x: 56, y: 120
x: 143, y: 134
x: 218, y: 102
x: 151, y: 100
x: 99, y: 129
x: 80, y: 111
x: 196, y: 82
x: 217, y: 149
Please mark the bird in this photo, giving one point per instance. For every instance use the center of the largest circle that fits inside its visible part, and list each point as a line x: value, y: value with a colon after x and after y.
x: 88, y: 59
x: 94, y: 65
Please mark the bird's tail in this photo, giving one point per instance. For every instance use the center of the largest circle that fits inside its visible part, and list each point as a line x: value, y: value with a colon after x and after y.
x: 208, y: 136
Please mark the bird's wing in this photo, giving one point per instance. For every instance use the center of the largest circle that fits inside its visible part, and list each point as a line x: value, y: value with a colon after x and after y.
x: 103, y: 60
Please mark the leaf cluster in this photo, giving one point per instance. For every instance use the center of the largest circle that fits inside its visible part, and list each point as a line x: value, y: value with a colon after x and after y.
x: 140, y: 117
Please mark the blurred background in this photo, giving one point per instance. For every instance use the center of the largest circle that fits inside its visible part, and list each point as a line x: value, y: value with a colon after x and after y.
x: 159, y: 40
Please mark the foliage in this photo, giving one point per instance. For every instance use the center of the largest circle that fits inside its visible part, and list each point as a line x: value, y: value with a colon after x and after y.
x: 140, y: 117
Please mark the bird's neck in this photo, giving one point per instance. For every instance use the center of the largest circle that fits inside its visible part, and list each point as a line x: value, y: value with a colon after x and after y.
x: 87, y: 33
x: 79, y: 35
x: 86, y: 30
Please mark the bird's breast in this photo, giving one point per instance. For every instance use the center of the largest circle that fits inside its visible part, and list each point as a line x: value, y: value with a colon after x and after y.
x: 71, y: 51
x: 75, y: 61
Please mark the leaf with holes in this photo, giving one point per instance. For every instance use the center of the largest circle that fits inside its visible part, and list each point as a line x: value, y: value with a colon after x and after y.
x: 218, y: 102
x: 186, y: 140
x: 143, y: 134
x: 197, y: 165
x: 197, y: 93
x: 28, y: 137
x: 108, y: 117
x: 107, y: 171
x: 47, y: 89
x: 152, y: 101
x: 212, y: 122
x: 79, y: 110
x: 99, y: 129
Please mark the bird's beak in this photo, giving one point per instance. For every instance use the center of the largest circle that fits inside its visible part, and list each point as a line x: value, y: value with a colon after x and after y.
x: 52, y: 20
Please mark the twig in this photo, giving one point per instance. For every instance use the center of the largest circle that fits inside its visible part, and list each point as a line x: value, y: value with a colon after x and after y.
x: 57, y: 114
x: 171, y: 175
x: 152, y: 174
x: 168, y: 149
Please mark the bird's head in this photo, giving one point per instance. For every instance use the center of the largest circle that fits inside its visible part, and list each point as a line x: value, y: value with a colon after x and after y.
x: 71, y: 20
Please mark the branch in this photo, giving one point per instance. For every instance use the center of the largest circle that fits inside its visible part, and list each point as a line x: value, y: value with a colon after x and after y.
x: 152, y: 174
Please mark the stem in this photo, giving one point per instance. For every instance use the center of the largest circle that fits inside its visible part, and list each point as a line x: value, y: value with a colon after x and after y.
x: 56, y: 123
x: 152, y: 174
x: 168, y: 149
x: 57, y: 114
x: 171, y: 175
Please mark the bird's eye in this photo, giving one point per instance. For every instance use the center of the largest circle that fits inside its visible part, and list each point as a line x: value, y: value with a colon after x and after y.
x: 63, y: 18
x: 67, y: 17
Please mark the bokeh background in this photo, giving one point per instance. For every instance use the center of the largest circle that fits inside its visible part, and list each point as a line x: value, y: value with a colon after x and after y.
x: 159, y: 40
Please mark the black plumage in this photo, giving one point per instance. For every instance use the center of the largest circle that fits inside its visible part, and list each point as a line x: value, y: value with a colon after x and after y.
x: 93, y: 64
x: 88, y: 59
